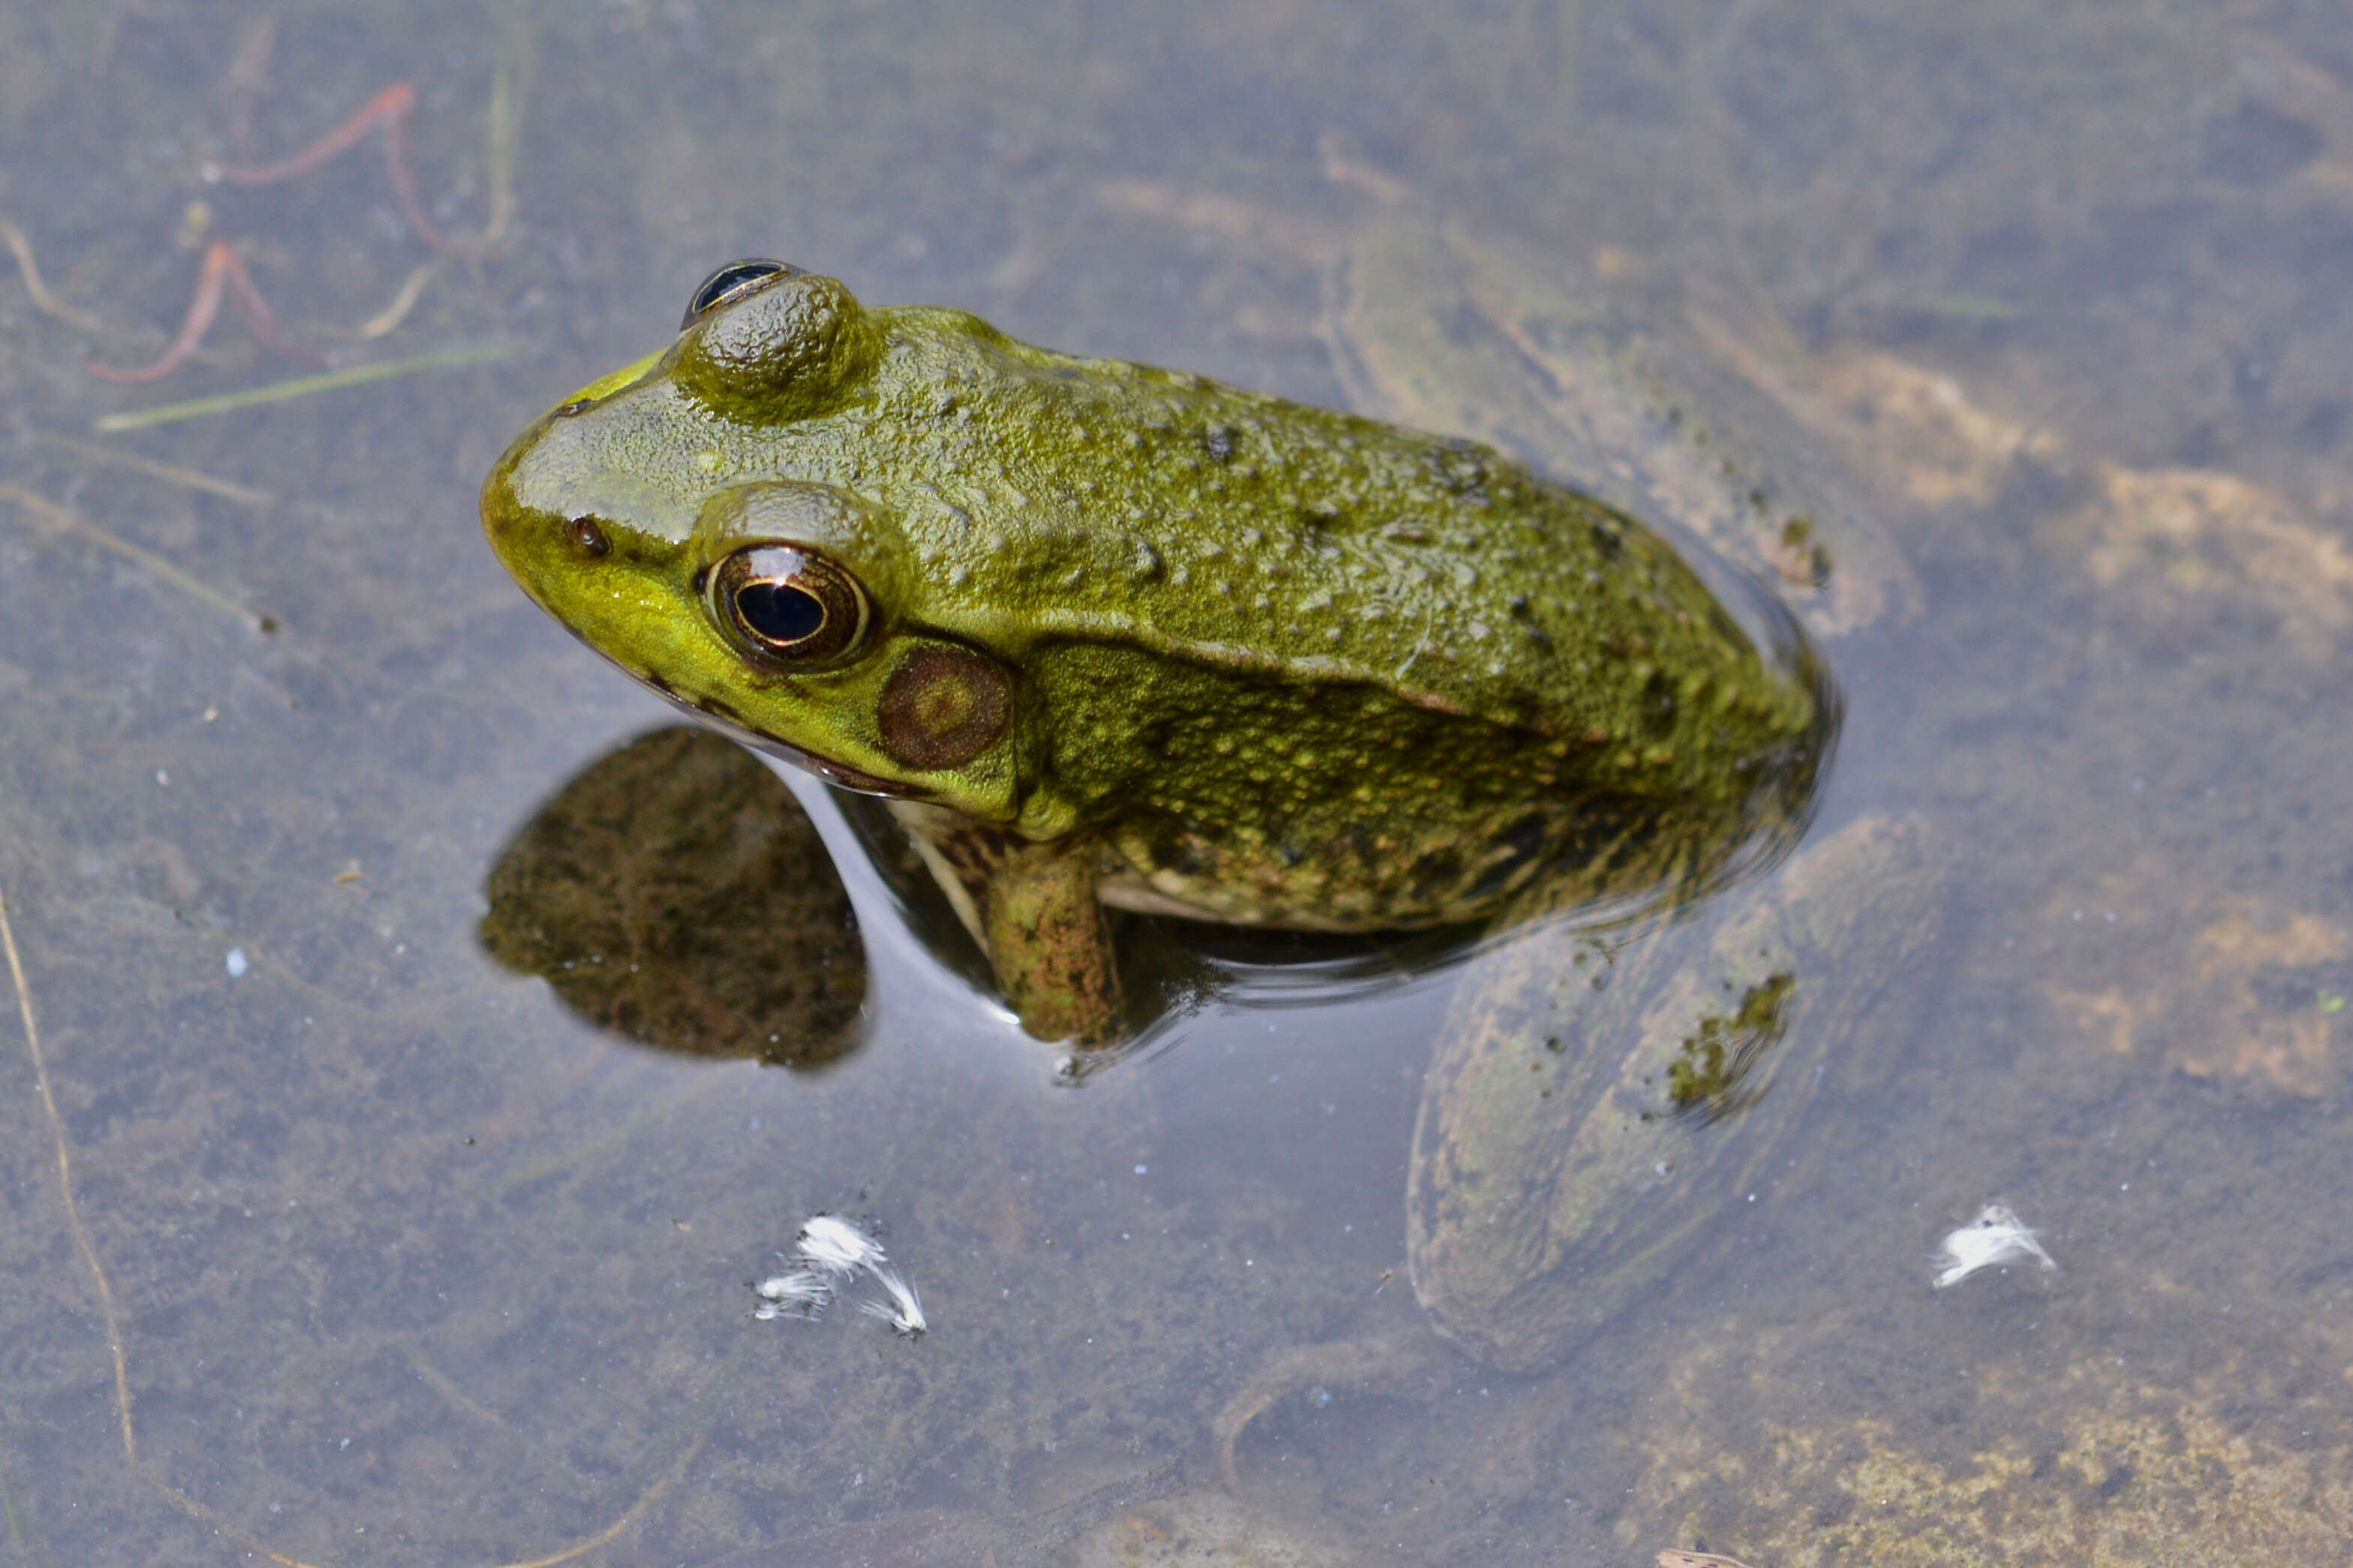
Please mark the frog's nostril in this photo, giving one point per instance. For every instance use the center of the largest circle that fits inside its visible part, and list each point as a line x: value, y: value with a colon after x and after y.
x: 588, y: 535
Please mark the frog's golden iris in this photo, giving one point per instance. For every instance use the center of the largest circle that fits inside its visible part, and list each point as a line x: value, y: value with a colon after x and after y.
x: 788, y: 605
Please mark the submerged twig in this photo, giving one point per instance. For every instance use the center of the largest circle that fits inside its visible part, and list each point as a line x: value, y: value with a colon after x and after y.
x: 65, y: 519
x: 227, y: 490
x: 22, y: 250
x: 306, y: 385
x: 507, y: 83
x: 391, y: 315
x: 17, y: 1509
x: 109, y: 1316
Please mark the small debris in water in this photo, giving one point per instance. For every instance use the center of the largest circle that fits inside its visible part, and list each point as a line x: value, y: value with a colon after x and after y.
x: 801, y: 1293
x: 830, y: 1253
x: 237, y: 964
x: 903, y: 1312
x: 1994, y: 1238
x: 832, y: 1244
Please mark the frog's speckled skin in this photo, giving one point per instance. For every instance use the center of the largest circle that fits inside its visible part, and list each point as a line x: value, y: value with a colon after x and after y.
x: 1229, y: 655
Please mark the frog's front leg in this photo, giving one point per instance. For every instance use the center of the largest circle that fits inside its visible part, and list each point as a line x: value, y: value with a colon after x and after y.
x: 1034, y: 910
x: 1049, y: 941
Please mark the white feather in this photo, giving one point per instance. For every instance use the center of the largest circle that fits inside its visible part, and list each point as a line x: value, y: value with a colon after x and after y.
x: 1992, y: 1240
x: 903, y: 1311
x: 832, y: 1244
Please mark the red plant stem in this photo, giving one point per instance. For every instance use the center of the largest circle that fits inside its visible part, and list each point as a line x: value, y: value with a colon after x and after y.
x: 218, y: 259
x: 255, y: 310
x: 403, y: 174
x: 223, y: 268
x: 391, y: 110
x: 391, y: 106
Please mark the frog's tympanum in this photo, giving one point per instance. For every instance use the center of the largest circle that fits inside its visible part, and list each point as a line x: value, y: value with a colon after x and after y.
x: 1111, y: 635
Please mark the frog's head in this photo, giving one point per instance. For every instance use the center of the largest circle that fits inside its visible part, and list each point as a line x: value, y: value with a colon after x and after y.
x: 663, y: 515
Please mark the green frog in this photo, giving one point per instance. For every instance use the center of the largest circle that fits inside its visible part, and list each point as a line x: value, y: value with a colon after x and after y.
x: 1107, y: 636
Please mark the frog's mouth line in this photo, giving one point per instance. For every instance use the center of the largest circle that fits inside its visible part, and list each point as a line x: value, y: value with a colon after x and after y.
x: 710, y: 711
x: 718, y: 715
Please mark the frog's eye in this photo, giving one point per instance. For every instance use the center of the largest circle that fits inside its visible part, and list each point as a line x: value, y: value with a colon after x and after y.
x: 786, y: 603
x: 732, y: 282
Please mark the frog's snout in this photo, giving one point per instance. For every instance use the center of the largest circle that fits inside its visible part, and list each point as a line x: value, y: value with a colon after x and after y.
x: 532, y: 542
x: 499, y: 507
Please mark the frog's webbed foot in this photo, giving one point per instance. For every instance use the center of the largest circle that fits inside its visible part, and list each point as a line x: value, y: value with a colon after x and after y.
x: 1378, y: 1364
x: 1033, y: 908
x: 1574, y: 1138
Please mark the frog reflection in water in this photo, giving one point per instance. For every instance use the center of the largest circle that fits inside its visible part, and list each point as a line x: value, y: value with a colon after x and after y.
x: 1112, y: 635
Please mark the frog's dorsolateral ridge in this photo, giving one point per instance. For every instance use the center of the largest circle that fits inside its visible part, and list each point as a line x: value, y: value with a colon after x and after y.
x: 1116, y: 636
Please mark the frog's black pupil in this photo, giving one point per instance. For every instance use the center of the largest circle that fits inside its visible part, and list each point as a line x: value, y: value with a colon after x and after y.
x: 779, y: 612
x: 730, y: 280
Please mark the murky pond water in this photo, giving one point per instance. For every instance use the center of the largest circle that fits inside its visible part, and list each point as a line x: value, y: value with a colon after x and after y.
x: 334, y: 1237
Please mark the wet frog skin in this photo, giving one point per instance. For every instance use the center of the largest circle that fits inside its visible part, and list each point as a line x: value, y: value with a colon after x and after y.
x: 1596, y: 1096
x: 1109, y: 635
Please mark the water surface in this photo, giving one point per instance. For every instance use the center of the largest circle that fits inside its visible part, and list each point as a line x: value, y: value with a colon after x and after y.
x: 407, y: 1263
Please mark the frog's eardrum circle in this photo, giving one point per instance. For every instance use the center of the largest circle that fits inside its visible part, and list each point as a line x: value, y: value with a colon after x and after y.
x: 942, y: 708
x: 788, y: 605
